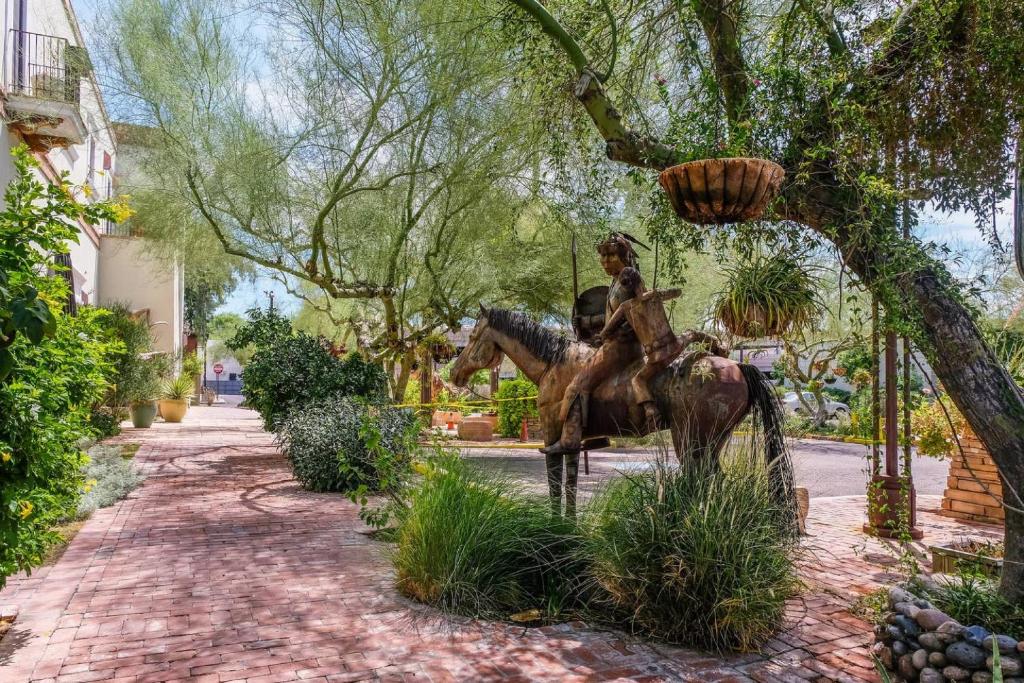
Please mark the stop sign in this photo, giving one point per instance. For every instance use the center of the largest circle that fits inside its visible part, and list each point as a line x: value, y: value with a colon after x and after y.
x: 218, y: 368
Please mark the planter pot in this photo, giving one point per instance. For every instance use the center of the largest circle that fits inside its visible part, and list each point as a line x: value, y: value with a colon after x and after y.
x: 718, y: 191
x: 173, y: 410
x: 945, y: 559
x: 143, y: 414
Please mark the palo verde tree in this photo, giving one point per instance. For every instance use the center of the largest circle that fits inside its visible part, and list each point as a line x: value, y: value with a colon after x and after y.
x: 365, y: 149
x: 869, y: 105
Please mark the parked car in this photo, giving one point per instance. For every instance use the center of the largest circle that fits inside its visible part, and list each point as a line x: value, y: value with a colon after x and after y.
x: 834, y: 409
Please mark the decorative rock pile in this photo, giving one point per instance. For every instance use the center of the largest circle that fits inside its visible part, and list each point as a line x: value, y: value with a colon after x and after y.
x: 921, y: 643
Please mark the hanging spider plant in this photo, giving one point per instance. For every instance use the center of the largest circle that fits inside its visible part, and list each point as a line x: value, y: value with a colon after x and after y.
x: 768, y: 297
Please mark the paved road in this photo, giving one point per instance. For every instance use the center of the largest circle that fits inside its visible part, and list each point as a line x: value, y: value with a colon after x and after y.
x: 826, y: 468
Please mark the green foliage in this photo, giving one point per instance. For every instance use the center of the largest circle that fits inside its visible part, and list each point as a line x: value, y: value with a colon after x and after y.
x: 106, y: 421
x: 342, y: 445
x: 974, y: 599
x: 181, y: 388
x: 841, y: 395
x: 45, y: 409
x: 936, y: 430
x: 191, y: 366
x: 511, y: 411
x: 472, y: 544
x: 135, y: 377
x: 300, y: 369
x: 693, y: 555
x: 34, y: 224
x: 768, y: 296
x: 108, y: 477
x: 262, y: 329
x: 53, y: 367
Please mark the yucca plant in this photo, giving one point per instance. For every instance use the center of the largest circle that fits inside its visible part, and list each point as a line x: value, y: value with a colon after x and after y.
x: 767, y: 297
x: 181, y: 388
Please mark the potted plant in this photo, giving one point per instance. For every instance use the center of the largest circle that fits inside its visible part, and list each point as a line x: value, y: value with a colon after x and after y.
x: 767, y: 297
x: 142, y: 396
x: 984, y: 557
x: 718, y: 191
x: 174, y: 398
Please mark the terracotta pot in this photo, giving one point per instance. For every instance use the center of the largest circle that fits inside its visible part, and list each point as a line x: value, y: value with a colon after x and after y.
x: 173, y: 410
x: 143, y: 414
x: 718, y: 191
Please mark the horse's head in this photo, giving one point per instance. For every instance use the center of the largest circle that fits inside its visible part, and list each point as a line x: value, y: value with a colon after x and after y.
x: 480, y: 352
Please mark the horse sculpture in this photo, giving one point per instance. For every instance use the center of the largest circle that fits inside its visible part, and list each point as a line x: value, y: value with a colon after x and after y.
x: 701, y: 397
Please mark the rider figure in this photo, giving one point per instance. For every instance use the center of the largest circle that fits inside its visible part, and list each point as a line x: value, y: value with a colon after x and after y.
x: 619, y: 347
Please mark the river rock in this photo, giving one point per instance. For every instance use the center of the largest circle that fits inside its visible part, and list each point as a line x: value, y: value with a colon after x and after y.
x: 905, y: 668
x: 897, y: 594
x: 909, y: 626
x: 920, y: 658
x: 908, y: 610
x: 951, y: 627
x: 930, y: 675
x: 931, y: 619
x: 1006, y: 644
x: 1011, y: 665
x: 966, y: 655
x: 937, y: 659
x: 975, y: 635
x: 899, y: 648
x: 981, y: 677
x: 884, y: 655
x: 921, y: 603
x: 956, y: 673
x: 1020, y: 647
x: 931, y: 641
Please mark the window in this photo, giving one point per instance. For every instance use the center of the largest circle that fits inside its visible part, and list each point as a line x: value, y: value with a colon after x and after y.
x: 232, y: 376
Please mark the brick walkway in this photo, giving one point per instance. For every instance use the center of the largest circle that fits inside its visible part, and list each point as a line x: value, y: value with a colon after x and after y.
x: 220, y: 568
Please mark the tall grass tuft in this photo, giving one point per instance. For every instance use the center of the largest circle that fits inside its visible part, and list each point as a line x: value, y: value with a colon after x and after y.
x: 695, y: 555
x: 470, y: 544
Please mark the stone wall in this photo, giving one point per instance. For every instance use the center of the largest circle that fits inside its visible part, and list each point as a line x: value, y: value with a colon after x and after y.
x: 973, y: 494
x: 921, y: 643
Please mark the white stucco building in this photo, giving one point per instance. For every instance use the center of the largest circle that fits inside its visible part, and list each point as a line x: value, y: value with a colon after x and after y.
x: 49, y: 100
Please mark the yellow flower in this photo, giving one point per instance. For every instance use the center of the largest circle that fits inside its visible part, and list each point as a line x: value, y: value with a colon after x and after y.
x: 122, y: 211
x: 26, y: 509
x: 6, y: 457
x: 87, y: 190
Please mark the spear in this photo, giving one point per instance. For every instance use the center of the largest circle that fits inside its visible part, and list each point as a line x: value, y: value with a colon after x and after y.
x: 575, y: 288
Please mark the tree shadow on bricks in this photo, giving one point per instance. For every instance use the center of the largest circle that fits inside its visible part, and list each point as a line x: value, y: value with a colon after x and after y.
x: 12, y: 641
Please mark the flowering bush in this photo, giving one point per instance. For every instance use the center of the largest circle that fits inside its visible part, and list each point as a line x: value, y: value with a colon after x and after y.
x: 53, y: 367
x: 933, y: 434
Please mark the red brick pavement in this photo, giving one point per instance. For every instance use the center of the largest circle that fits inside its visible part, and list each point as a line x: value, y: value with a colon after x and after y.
x: 220, y: 568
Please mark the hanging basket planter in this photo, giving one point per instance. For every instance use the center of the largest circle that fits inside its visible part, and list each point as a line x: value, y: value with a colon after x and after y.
x: 719, y: 191
x: 767, y: 297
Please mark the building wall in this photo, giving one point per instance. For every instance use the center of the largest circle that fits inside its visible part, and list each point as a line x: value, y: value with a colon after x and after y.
x: 84, y: 162
x: 129, y: 274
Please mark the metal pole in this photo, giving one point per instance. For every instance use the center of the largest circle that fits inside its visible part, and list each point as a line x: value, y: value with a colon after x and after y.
x: 876, y: 465
x: 892, y: 468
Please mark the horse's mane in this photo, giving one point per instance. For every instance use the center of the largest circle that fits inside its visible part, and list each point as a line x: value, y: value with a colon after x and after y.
x: 548, y: 345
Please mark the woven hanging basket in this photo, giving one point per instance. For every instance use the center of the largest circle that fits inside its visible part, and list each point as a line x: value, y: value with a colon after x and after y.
x: 718, y: 191
x: 753, y: 323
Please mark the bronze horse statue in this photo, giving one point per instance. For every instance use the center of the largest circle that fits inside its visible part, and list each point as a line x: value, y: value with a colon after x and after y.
x: 701, y: 397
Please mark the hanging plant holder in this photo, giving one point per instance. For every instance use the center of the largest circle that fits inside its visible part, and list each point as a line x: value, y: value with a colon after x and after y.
x: 719, y: 191
x: 753, y: 322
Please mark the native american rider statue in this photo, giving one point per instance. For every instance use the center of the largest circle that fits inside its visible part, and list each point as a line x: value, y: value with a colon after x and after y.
x: 633, y: 324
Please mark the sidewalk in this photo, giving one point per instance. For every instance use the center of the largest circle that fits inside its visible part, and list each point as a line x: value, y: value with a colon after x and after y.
x: 220, y: 568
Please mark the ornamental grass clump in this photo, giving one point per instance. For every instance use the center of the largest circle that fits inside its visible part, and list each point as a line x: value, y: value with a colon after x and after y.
x: 693, y: 555
x: 768, y: 296
x: 470, y: 544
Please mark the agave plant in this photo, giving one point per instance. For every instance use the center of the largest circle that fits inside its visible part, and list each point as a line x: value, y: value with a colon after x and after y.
x: 767, y: 297
x: 178, y: 389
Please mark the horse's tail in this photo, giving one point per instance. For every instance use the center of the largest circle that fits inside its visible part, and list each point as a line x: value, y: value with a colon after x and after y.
x: 769, y: 422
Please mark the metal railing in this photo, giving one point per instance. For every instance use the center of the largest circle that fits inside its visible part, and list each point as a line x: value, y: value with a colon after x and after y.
x: 42, y: 66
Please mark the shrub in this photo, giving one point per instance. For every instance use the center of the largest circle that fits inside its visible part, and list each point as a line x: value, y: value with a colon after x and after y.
x: 298, y: 370
x: 105, y: 421
x: 933, y: 434
x: 262, y: 329
x: 694, y: 555
x: 511, y: 411
x: 841, y: 395
x: 974, y: 599
x: 469, y: 544
x: 330, y: 447
x: 109, y: 477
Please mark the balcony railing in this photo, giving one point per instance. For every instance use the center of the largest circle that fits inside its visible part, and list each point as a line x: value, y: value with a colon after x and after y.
x: 46, y: 67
